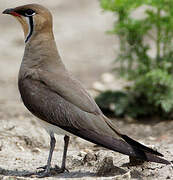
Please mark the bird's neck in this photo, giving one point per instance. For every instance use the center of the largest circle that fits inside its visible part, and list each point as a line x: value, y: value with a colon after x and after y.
x: 41, y: 52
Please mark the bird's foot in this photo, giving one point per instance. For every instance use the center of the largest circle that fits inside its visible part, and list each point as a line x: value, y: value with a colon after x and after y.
x: 60, y: 170
x: 43, y: 174
x: 46, y: 172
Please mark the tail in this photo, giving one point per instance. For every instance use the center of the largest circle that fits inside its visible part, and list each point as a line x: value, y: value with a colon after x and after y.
x: 128, y: 147
x: 133, y: 147
x: 131, y: 141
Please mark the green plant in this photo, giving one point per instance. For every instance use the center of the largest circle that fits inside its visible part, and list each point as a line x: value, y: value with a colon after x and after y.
x: 138, y: 37
x: 123, y: 103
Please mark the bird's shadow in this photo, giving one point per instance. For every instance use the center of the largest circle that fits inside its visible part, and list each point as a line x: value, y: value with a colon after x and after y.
x: 25, y: 173
x: 33, y: 174
x: 8, y: 172
x: 72, y: 174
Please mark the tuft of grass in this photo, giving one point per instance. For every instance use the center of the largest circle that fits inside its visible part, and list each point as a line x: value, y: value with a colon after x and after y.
x: 152, y: 89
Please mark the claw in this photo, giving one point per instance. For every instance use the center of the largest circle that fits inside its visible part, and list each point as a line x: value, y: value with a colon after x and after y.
x: 46, y: 173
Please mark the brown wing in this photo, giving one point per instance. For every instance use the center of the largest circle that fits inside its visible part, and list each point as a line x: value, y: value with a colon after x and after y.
x: 51, y: 107
x: 70, y: 89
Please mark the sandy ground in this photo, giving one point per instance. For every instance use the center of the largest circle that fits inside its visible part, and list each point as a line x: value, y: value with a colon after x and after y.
x: 88, y: 52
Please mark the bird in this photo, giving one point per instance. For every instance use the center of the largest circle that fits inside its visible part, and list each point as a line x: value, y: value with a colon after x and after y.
x: 59, y: 101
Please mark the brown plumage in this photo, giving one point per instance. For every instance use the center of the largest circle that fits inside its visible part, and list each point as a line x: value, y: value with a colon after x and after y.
x: 61, y: 103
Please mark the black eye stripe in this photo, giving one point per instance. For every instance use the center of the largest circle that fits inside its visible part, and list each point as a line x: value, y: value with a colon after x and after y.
x: 26, y: 12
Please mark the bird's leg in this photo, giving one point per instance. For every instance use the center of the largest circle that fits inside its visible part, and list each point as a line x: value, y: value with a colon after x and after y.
x: 47, y: 168
x: 63, y: 165
x: 66, y: 142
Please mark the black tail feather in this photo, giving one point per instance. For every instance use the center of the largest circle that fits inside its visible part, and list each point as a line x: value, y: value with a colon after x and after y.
x: 140, y: 146
x: 154, y: 158
x: 128, y: 147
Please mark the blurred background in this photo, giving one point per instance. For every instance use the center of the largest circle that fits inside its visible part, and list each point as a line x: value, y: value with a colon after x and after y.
x: 115, y: 61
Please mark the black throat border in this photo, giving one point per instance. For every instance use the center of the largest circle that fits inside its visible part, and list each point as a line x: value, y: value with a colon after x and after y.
x: 31, y: 28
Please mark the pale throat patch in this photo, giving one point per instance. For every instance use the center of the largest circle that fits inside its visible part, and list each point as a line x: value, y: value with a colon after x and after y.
x: 30, y: 23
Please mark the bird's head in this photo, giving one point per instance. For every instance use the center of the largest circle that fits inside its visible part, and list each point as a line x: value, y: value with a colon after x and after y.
x: 34, y: 18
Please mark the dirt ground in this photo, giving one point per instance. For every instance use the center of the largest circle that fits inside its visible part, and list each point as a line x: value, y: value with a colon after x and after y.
x: 88, y: 52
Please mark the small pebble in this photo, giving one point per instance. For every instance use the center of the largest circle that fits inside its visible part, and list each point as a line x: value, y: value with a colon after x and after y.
x: 36, y: 150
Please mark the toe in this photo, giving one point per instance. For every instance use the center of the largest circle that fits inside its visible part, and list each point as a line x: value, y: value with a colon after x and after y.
x: 43, y: 174
x: 42, y: 167
x: 60, y: 170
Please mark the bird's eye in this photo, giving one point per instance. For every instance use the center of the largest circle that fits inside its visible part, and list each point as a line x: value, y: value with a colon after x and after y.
x: 29, y: 12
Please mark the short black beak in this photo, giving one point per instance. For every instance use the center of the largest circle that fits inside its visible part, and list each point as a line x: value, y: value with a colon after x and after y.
x: 8, y: 11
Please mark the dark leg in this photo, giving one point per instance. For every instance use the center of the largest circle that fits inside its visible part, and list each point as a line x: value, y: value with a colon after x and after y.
x: 63, y: 165
x: 47, y: 169
x: 46, y: 172
x: 66, y: 141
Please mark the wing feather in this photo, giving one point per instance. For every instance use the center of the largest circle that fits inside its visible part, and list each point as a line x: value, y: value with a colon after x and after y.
x: 70, y: 89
